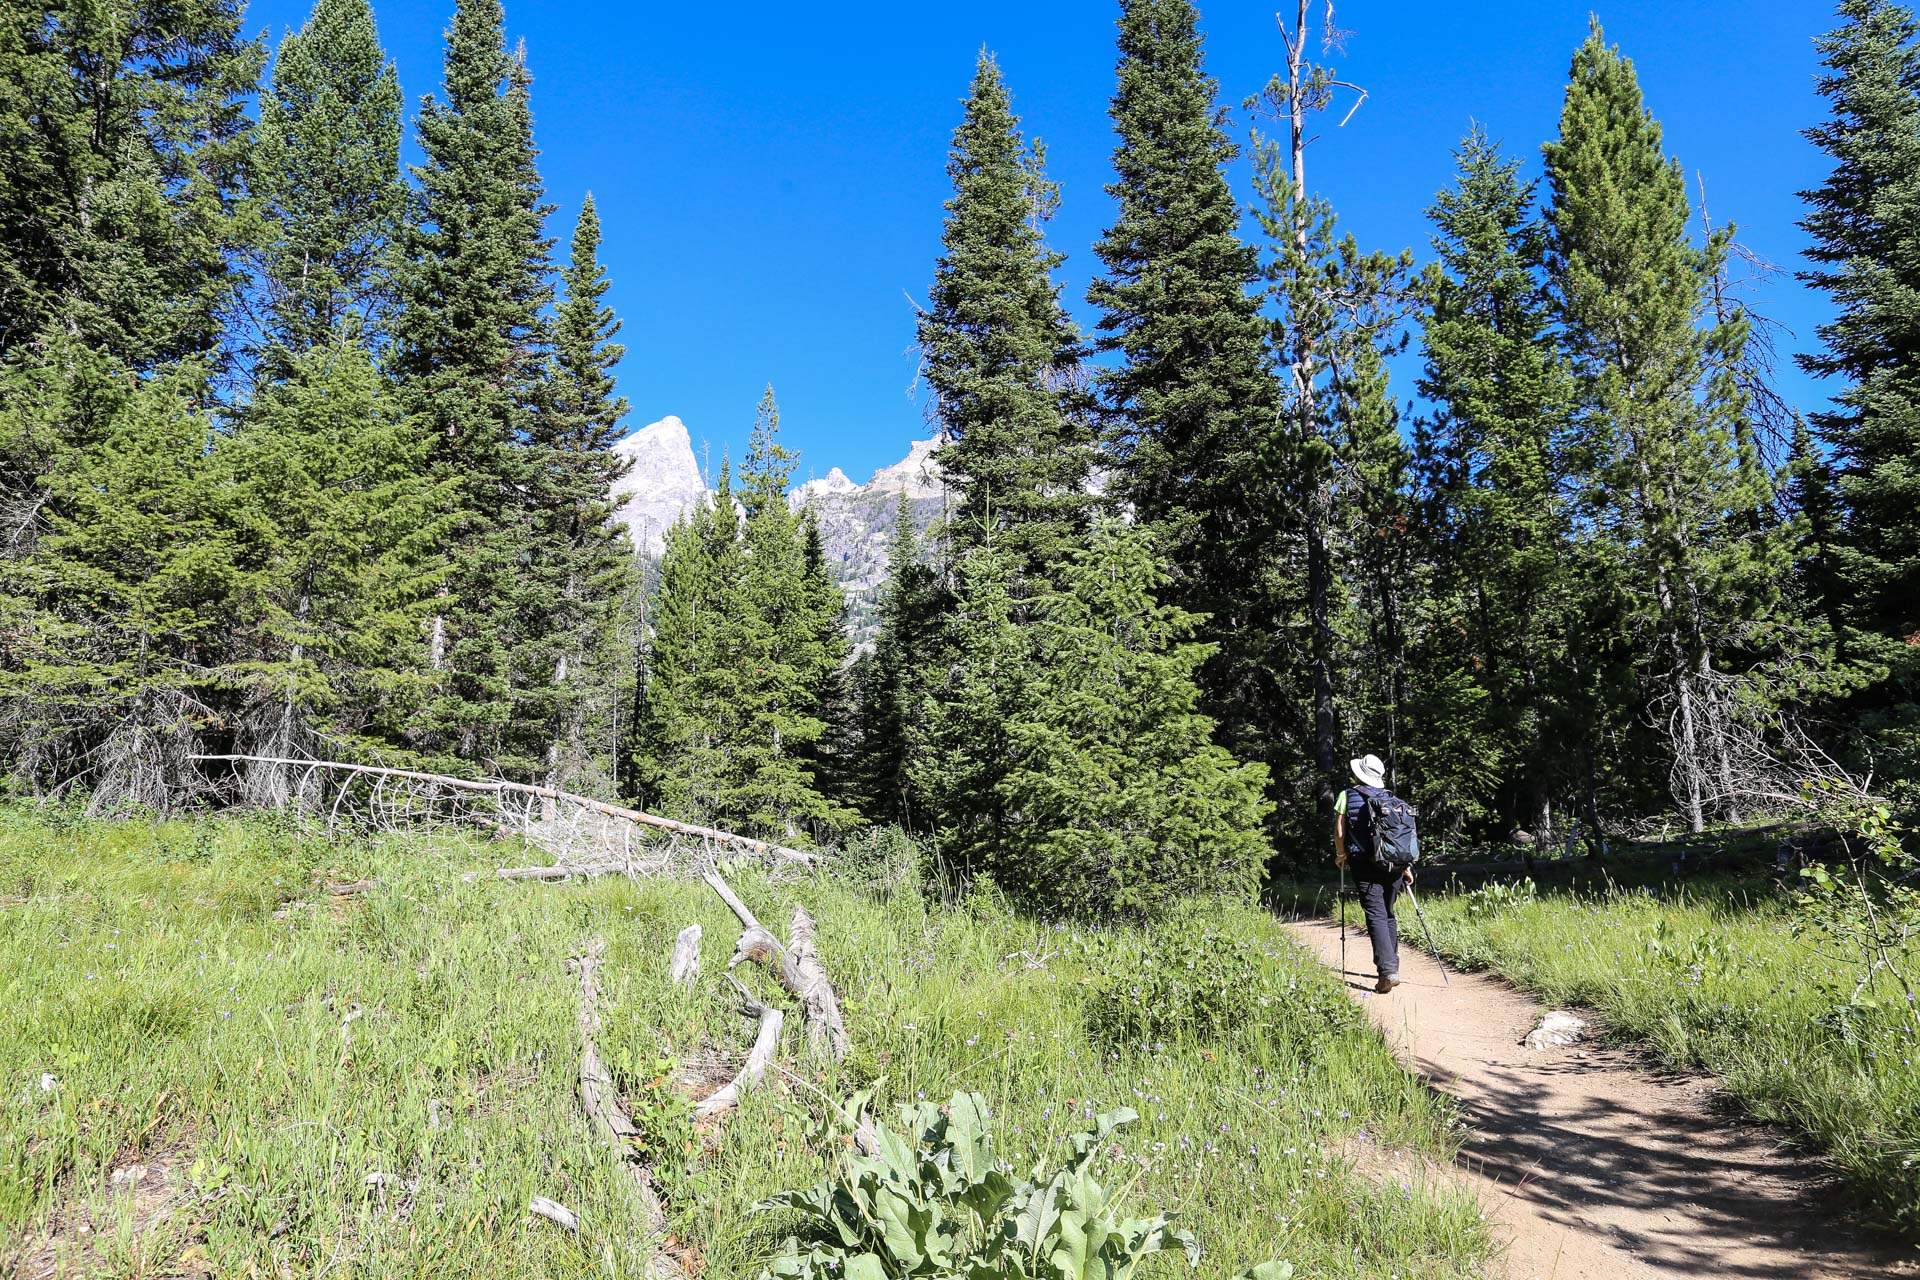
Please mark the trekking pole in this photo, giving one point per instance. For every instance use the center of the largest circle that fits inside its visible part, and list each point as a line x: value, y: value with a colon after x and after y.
x: 1429, y: 932
x: 1343, y: 922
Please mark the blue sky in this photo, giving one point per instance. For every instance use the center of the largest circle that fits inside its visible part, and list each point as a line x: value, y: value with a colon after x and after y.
x: 770, y: 175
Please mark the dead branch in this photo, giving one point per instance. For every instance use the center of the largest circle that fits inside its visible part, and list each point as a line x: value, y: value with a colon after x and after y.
x: 684, y: 966
x: 795, y: 965
x: 555, y: 1212
x: 765, y: 1042
x: 601, y: 1101
x: 501, y: 789
x: 352, y: 886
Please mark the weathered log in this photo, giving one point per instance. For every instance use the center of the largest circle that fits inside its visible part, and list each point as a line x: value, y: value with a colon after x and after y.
x: 601, y: 1101
x: 684, y: 967
x: 500, y: 786
x: 583, y: 871
x: 759, y: 1058
x: 795, y: 965
x: 352, y: 886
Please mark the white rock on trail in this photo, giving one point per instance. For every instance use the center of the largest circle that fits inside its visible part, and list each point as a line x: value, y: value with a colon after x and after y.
x: 1557, y: 1030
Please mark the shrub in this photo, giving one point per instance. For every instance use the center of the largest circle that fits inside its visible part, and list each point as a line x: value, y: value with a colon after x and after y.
x: 1496, y: 896
x: 1195, y: 982
x: 932, y: 1201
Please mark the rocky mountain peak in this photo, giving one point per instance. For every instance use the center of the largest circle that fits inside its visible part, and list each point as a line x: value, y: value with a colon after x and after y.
x: 663, y: 482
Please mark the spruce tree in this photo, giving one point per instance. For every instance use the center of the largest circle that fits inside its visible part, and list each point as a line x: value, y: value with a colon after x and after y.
x: 833, y: 758
x: 578, y: 561
x: 130, y: 584
x: 1867, y: 259
x: 338, y: 525
x: 1069, y: 760
x: 471, y: 339
x: 784, y: 666
x: 122, y: 138
x: 1491, y: 653
x: 1655, y: 406
x: 690, y: 681
x: 1190, y: 403
x: 326, y: 170
x: 741, y: 660
x: 891, y: 680
x: 998, y: 350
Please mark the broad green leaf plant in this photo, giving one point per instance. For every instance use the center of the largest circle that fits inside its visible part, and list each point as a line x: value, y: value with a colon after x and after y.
x: 927, y: 1200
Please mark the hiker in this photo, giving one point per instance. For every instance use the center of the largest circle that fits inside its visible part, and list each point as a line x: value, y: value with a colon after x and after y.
x: 1373, y: 836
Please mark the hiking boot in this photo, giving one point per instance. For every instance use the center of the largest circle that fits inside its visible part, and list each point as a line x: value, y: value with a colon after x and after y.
x: 1388, y: 981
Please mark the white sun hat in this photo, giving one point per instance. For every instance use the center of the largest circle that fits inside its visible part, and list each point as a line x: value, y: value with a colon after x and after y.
x: 1370, y: 770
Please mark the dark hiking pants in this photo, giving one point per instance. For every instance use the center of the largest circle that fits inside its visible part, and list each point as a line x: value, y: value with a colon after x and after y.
x: 1376, y: 900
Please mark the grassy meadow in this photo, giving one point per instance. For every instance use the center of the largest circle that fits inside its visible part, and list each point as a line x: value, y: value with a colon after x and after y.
x: 1710, y: 974
x: 376, y: 1085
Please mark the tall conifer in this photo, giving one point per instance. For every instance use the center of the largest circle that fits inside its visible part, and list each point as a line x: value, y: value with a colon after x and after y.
x: 326, y: 167
x: 1655, y: 403
x: 471, y: 355
x: 1492, y: 652
x: 999, y: 352
x: 1190, y: 404
x: 578, y: 560
x: 1866, y: 257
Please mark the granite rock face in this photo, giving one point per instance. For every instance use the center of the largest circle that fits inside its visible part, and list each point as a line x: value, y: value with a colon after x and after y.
x: 856, y: 520
x: 662, y: 484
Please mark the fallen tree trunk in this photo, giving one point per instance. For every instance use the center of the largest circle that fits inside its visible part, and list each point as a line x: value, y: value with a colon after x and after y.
x: 602, y: 1104
x: 500, y: 786
x: 585, y: 871
x: 765, y: 1042
x: 795, y: 965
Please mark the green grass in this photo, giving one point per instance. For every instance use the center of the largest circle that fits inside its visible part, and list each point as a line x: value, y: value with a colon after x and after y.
x: 183, y: 1022
x: 1710, y: 976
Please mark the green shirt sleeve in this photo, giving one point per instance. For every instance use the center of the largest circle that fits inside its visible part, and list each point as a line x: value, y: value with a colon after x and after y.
x: 1340, y: 804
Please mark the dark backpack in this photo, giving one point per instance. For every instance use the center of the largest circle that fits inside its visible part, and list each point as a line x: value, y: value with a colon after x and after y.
x: 1393, y: 829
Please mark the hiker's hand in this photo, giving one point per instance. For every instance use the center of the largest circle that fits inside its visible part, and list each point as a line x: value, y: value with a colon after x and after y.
x: 1407, y: 877
x: 1340, y: 861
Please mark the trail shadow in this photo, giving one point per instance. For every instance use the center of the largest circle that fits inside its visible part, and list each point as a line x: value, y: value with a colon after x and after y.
x: 1589, y: 1153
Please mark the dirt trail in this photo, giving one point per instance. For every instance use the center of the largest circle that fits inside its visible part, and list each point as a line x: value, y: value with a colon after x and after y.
x: 1594, y: 1167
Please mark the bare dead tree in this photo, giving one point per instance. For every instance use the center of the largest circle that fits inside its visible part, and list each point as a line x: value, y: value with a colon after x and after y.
x: 586, y: 836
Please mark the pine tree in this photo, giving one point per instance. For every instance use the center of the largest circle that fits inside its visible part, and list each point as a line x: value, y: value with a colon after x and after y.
x: 1867, y: 259
x: 783, y: 666
x: 1190, y: 406
x: 998, y: 350
x: 1492, y: 652
x: 471, y: 340
x: 690, y: 679
x: 891, y: 680
x: 833, y: 758
x: 741, y: 659
x: 326, y: 170
x: 122, y: 137
x: 129, y: 587
x: 1656, y: 405
x: 579, y: 560
x: 1070, y: 760
x: 337, y: 550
